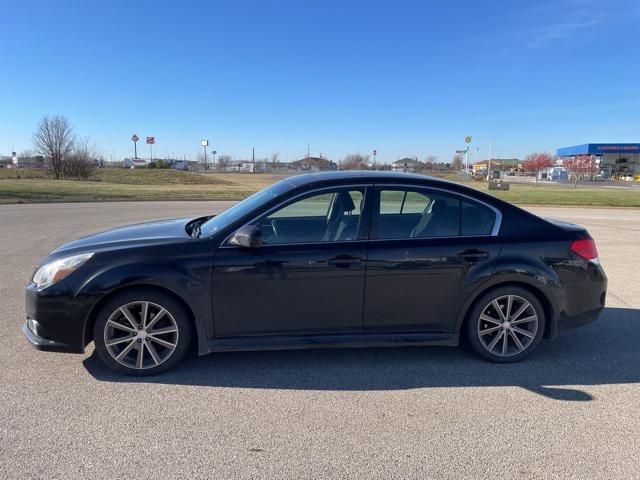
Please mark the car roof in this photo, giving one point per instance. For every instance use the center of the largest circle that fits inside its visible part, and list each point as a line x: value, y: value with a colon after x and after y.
x: 361, y: 176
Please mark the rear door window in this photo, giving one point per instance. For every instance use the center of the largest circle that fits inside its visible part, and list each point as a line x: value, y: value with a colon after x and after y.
x: 417, y: 213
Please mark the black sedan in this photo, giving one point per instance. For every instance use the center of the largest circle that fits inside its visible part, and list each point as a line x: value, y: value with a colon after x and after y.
x: 350, y: 259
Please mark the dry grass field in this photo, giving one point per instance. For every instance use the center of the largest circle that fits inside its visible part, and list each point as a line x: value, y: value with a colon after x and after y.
x: 32, y: 186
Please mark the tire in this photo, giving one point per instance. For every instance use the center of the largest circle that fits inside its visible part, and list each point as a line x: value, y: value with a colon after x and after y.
x: 490, y: 321
x: 119, y: 326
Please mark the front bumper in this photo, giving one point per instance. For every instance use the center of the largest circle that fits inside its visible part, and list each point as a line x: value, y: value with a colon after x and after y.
x: 56, y: 318
x: 45, y: 344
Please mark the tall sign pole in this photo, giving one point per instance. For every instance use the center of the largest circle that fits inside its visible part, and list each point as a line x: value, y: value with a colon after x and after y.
x: 150, y: 142
x: 375, y: 152
x: 467, y: 140
x: 205, y: 144
x: 134, y: 139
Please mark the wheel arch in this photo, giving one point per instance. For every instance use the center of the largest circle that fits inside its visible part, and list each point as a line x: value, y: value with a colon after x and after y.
x: 199, y: 339
x: 550, y: 329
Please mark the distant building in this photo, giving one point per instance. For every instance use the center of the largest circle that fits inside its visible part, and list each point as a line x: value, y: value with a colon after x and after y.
x: 407, y: 165
x: 314, y: 164
x: 500, y: 164
x: 135, y: 163
x: 173, y: 163
x: 615, y: 160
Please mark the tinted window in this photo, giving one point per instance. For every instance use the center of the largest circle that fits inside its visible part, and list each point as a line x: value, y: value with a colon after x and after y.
x: 243, y: 208
x: 330, y: 216
x: 417, y: 214
x: 477, y: 219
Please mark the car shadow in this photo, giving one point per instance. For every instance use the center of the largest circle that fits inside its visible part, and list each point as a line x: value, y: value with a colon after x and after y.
x: 605, y: 352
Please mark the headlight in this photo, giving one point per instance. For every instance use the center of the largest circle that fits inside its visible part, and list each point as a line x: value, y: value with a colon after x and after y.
x: 54, y: 271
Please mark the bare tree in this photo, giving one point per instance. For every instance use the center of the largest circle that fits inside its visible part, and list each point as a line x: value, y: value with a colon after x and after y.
x: 456, y: 163
x: 430, y: 162
x: 81, y: 161
x: 223, y: 161
x: 354, y: 161
x: 54, y: 140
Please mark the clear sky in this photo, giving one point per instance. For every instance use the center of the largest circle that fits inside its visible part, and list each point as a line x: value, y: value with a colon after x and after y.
x: 405, y: 77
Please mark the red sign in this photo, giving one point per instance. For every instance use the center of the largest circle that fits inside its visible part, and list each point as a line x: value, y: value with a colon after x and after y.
x: 151, y: 140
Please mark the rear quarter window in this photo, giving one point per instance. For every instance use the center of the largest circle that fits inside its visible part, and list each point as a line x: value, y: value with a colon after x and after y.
x: 477, y: 219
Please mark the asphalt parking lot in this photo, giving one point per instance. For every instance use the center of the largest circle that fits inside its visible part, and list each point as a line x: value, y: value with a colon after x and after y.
x: 570, y: 411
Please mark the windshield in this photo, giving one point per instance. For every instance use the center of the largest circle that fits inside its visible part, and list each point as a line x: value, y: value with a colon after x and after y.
x: 242, y: 208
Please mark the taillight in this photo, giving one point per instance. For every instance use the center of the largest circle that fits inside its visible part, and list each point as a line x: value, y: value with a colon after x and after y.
x: 586, y: 249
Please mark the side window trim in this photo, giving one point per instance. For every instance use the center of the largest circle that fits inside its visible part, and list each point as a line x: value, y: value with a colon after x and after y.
x: 364, y: 229
x: 378, y: 187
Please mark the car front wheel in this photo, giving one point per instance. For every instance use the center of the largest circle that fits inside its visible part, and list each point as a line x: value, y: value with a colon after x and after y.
x: 506, y: 324
x: 142, y: 332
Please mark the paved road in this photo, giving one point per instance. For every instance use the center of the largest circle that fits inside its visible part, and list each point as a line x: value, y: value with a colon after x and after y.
x: 570, y: 411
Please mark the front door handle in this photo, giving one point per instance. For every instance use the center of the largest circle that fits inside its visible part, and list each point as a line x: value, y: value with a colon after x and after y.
x: 473, y: 255
x: 344, y: 261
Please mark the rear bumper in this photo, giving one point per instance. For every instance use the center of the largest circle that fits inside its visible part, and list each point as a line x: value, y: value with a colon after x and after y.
x: 582, y: 301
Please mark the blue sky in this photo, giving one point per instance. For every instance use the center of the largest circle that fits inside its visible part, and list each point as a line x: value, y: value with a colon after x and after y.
x: 404, y: 77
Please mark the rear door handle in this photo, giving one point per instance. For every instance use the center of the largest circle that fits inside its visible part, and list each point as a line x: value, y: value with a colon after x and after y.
x: 473, y: 255
x: 343, y: 261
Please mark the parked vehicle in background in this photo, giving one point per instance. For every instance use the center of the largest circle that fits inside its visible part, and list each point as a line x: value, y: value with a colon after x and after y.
x: 343, y: 259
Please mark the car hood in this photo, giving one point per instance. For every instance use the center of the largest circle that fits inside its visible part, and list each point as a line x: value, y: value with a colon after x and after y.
x: 138, y: 234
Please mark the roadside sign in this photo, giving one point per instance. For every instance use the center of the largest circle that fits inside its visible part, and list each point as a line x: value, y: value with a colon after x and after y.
x: 135, y: 137
x: 204, y: 143
x: 468, y: 139
x: 151, y: 140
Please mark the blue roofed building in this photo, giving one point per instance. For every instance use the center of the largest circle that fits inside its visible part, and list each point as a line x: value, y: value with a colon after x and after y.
x: 616, y: 160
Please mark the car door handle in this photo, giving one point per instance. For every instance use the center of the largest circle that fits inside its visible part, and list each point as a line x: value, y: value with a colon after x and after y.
x: 343, y: 261
x: 473, y: 255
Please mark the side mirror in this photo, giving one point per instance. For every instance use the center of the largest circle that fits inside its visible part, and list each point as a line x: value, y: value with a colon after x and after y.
x: 248, y: 236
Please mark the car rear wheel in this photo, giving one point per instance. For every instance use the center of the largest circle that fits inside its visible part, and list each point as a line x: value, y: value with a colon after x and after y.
x: 506, y: 324
x: 142, y: 332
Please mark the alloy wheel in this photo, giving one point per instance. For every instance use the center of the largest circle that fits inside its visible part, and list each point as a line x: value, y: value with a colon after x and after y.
x: 507, y: 325
x: 141, y: 335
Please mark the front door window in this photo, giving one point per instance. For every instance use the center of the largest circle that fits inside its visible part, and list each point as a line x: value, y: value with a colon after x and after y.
x: 329, y: 216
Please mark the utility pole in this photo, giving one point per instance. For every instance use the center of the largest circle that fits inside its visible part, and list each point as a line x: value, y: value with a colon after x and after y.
x: 253, y: 158
x: 489, y: 162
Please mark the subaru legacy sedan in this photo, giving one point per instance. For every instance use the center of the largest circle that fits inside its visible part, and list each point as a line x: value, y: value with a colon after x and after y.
x: 341, y: 259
